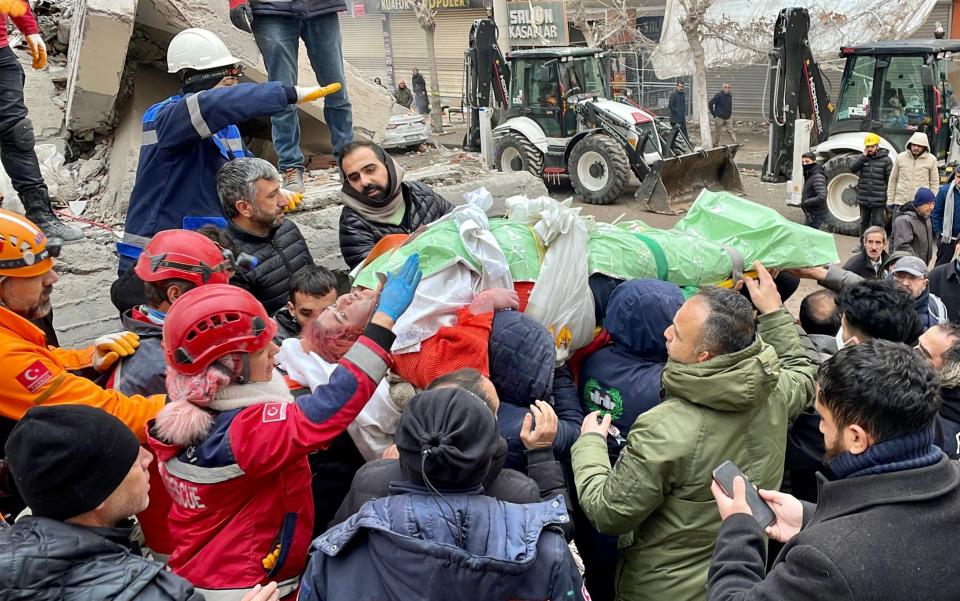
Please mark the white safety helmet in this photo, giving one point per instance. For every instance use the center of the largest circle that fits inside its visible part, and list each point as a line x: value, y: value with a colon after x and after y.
x: 198, y: 49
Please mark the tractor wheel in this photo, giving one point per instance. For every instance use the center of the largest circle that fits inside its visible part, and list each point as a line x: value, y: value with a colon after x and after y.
x: 843, y: 212
x: 599, y: 169
x: 515, y: 153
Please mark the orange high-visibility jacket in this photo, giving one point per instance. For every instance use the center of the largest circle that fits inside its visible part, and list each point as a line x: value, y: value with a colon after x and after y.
x: 33, y: 374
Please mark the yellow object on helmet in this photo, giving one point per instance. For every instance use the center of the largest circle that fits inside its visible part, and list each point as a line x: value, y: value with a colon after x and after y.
x: 871, y: 140
x: 24, y: 249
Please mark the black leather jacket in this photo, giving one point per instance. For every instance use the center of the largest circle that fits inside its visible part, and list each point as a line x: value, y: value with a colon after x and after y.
x: 43, y: 559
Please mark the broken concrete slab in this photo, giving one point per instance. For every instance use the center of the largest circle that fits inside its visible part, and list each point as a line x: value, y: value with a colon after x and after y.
x: 500, y: 185
x: 371, y: 104
x: 99, y: 38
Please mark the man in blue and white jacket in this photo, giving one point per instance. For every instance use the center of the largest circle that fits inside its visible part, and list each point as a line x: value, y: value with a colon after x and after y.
x: 189, y: 136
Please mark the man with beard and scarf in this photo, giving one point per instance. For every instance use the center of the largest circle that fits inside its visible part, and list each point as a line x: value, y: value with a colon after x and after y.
x: 33, y: 373
x: 813, y: 200
x: 437, y: 536
x: 940, y: 346
x: 377, y: 202
x: 884, y: 526
x: 249, y: 189
x: 189, y: 136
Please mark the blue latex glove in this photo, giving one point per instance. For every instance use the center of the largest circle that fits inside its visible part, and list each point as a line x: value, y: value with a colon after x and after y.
x: 398, y: 291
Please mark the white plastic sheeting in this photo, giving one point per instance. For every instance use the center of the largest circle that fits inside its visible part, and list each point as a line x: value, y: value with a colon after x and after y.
x: 741, y: 31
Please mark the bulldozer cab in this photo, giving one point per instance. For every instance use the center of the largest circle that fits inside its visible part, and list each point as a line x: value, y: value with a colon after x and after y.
x: 896, y: 89
x: 544, y: 81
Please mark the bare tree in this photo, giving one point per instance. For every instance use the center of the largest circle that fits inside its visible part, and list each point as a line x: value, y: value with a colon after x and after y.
x: 693, y: 26
x: 427, y: 20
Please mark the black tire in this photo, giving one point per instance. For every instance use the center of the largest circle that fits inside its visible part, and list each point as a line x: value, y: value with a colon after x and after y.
x: 610, y: 175
x: 524, y: 156
x: 843, y: 213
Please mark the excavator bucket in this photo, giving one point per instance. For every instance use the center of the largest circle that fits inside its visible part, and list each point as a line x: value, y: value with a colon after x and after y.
x: 680, y: 179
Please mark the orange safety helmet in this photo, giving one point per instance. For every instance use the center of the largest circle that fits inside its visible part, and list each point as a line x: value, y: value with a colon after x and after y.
x: 25, y: 250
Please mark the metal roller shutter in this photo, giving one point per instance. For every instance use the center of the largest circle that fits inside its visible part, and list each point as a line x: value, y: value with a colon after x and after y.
x: 940, y: 12
x: 363, y: 44
x: 450, y: 40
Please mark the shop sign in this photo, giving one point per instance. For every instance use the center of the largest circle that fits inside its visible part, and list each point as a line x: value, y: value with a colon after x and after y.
x: 540, y: 24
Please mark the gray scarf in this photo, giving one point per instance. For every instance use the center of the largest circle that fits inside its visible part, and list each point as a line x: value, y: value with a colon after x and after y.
x: 947, y: 235
x: 387, y: 210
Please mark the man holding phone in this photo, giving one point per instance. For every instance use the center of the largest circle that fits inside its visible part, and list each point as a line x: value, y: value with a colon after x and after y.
x: 731, y: 386
x: 885, y: 528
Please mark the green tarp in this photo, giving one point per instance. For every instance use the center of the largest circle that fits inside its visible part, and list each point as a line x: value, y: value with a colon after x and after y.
x: 700, y: 250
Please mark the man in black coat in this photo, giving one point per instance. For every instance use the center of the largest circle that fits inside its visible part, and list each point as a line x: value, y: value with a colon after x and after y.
x: 873, y: 167
x: 377, y: 202
x: 254, y: 204
x: 545, y: 478
x: 721, y: 108
x: 945, y: 283
x: 83, y: 474
x: 813, y: 199
x: 678, y: 108
x: 884, y: 528
x: 869, y: 261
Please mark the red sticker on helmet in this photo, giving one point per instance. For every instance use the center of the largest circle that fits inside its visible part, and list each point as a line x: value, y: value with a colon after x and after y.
x: 274, y: 412
x: 35, y: 377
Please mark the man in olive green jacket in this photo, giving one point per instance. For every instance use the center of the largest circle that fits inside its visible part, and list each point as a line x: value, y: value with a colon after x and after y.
x: 729, y: 394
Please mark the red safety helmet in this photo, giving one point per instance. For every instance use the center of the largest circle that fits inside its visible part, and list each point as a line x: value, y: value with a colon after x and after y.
x: 209, y: 322
x: 183, y: 255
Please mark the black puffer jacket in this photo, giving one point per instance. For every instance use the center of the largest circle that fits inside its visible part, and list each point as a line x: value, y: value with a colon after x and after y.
x: 303, y: 9
x: 814, y: 197
x: 874, y: 175
x: 279, y: 256
x: 358, y: 236
x: 43, y: 559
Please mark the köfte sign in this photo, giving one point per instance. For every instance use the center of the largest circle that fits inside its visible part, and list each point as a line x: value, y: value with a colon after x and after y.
x: 540, y: 24
x: 395, y: 6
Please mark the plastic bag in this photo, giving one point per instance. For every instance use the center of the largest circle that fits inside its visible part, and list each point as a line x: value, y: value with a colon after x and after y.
x: 474, y: 226
x: 561, y: 299
x: 61, y: 182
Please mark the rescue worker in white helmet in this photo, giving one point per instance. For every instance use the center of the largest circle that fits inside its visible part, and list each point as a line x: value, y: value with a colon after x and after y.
x: 189, y: 136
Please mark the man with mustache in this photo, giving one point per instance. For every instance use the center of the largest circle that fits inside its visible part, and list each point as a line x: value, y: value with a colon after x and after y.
x: 249, y: 190
x: 33, y: 373
x: 377, y: 202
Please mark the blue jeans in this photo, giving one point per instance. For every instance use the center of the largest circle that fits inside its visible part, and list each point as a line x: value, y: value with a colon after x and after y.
x: 279, y: 42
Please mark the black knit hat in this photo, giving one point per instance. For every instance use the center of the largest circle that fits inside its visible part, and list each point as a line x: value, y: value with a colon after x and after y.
x: 447, y: 436
x: 67, y: 459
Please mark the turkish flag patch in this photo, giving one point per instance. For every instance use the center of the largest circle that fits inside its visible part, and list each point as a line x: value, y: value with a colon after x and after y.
x: 274, y: 412
x: 35, y: 377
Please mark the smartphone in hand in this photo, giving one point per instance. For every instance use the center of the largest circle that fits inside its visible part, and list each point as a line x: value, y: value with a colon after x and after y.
x: 724, y: 475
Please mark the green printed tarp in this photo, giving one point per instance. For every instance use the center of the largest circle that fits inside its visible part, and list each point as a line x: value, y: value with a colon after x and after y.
x: 699, y: 250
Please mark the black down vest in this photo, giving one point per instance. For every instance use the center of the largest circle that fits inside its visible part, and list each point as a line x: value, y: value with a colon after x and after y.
x: 358, y: 236
x: 279, y: 256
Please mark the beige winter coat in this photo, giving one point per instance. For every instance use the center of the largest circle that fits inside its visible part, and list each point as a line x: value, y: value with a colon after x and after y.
x: 910, y: 173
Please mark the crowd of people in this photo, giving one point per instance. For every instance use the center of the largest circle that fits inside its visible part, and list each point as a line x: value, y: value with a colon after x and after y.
x: 253, y: 434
